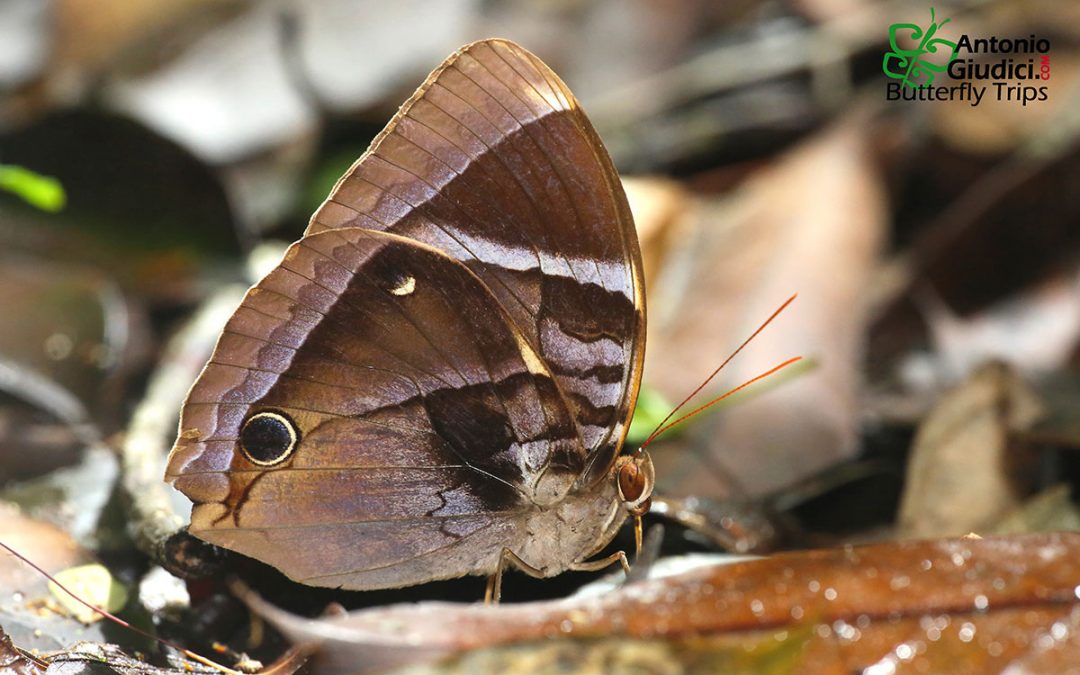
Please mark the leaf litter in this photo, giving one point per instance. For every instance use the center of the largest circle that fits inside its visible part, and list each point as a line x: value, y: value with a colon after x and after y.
x: 866, y: 213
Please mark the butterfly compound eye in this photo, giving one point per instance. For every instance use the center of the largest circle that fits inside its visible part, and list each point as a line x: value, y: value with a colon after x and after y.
x: 635, y: 477
x: 268, y: 438
x: 631, y: 482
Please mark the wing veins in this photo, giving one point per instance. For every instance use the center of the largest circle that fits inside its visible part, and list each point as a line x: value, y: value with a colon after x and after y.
x: 341, y: 297
x: 524, y: 128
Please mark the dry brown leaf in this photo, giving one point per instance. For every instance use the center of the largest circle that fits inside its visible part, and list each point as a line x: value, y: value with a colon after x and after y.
x: 1051, y: 510
x: 47, y: 545
x: 14, y: 662
x: 965, y: 470
x: 812, y: 224
x: 965, y: 606
x: 662, y: 209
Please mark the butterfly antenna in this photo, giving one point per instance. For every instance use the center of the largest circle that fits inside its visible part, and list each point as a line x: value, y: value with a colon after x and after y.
x: 188, y: 653
x: 737, y: 389
x: 664, y: 426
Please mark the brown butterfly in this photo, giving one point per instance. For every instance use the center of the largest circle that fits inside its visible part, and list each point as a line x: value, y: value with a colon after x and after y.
x: 438, y: 378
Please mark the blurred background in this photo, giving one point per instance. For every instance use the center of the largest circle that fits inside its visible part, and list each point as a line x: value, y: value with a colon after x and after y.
x: 935, y: 246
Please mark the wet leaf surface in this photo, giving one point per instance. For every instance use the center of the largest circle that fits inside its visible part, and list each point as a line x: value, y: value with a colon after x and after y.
x: 983, y: 602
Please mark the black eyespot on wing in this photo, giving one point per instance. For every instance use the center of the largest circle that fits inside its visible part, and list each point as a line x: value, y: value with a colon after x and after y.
x: 268, y: 438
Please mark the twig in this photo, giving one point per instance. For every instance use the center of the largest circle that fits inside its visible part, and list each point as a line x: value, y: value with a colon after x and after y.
x: 152, y: 518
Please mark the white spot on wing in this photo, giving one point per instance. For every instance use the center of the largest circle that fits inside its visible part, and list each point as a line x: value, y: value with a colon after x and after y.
x: 407, y: 286
x: 531, y: 359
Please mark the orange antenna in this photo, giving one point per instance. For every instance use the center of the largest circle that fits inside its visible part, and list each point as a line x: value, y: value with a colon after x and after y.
x: 664, y: 426
x: 190, y: 654
x: 716, y: 400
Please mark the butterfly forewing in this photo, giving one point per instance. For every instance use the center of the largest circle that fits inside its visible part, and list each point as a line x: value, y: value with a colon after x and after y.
x: 493, y: 162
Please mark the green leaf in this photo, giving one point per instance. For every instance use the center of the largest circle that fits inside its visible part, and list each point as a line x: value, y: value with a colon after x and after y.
x: 41, y: 191
x: 652, y: 406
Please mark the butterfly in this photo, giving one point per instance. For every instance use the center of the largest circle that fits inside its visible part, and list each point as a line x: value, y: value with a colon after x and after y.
x: 437, y: 379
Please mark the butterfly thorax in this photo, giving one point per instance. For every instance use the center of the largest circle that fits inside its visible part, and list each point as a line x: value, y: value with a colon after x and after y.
x: 554, y: 537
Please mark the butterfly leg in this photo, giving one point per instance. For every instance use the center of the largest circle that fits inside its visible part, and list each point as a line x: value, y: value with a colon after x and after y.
x: 494, y: 582
x: 597, y: 565
x: 617, y: 556
x: 637, y: 537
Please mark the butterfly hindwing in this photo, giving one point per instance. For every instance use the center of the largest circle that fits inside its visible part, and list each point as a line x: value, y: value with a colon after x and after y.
x: 425, y: 423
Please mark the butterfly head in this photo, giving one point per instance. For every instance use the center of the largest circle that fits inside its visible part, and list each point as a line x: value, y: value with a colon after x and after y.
x: 634, y: 477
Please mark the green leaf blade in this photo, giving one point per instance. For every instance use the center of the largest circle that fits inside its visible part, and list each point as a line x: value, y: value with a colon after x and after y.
x: 43, y: 192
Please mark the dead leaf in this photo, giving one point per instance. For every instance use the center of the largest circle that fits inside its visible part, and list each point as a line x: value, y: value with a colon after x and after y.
x: 100, y: 657
x: 965, y: 606
x: 88, y: 39
x: 47, y: 545
x: 23, y: 42
x: 27, y: 612
x: 14, y: 662
x: 1049, y: 511
x: 965, y: 471
x: 230, y: 94
x: 662, y: 209
x: 910, y: 646
x: 812, y: 224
